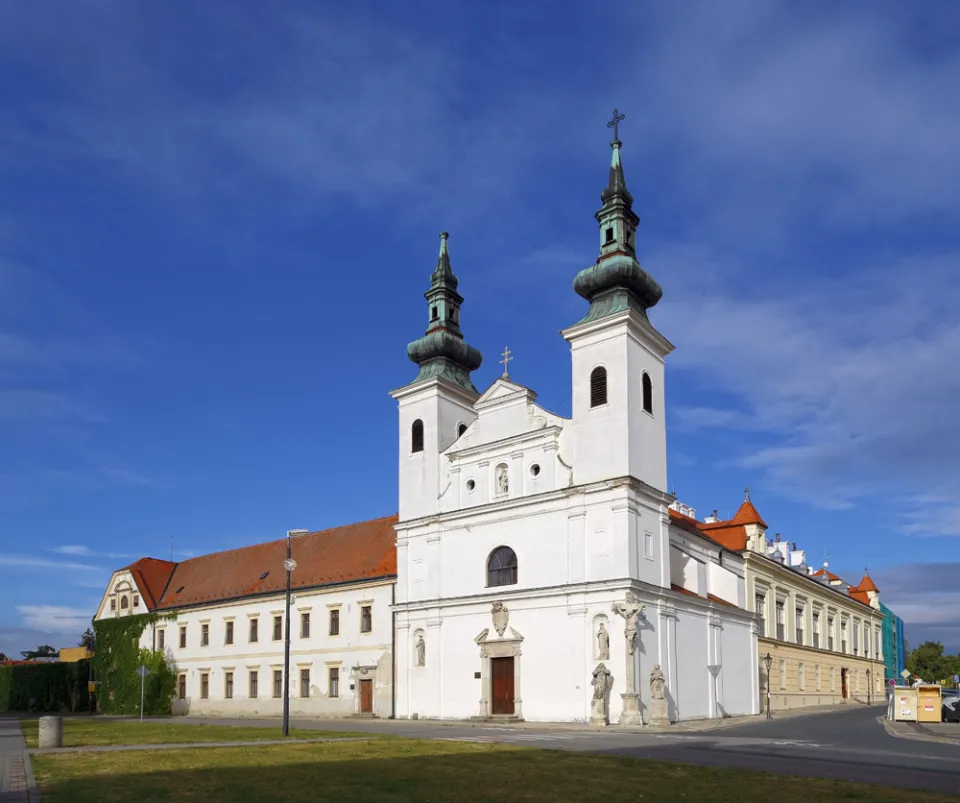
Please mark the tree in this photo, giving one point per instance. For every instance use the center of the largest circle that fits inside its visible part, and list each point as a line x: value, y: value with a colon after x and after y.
x: 43, y: 651
x: 929, y: 662
x: 3, y: 657
x: 87, y: 639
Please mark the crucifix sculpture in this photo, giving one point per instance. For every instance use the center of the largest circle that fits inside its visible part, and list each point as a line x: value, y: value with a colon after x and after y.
x: 615, y: 124
x: 505, y: 362
x: 630, y: 609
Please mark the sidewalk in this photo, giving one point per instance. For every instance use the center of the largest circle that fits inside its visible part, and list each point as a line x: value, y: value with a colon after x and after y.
x: 942, y: 732
x: 17, y: 784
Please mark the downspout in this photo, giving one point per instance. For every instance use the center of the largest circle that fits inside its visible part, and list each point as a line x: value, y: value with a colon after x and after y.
x: 393, y: 650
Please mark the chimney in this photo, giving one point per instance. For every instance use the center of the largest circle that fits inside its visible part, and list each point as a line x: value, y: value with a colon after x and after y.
x: 778, y: 538
x: 712, y: 519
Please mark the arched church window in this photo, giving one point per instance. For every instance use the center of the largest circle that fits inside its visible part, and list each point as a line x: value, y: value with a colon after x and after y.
x: 124, y: 602
x: 598, y: 386
x: 416, y: 436
x: 502, y: 567
x: 647, y: 394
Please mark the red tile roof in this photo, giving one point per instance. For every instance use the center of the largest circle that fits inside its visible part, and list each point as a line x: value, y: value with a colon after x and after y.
x: 683, y: 590
x: 867, y: 584
x: 747, y: 514
x: 362, y: 551
x: 830, y: 575
x: 151, y: 576
x: 732, y: 536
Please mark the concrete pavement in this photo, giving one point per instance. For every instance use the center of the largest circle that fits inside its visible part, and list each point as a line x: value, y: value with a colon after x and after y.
x: 17, y: 784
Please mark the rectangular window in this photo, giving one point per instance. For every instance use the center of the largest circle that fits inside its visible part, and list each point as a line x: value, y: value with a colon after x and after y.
x: 816, y: 630
x: 228, y: 635
x: 830, y: 633
x: 843, y: 637
x: 278, y: 683
x: 161, y: 639
x: 335, y: 622
x: 254, y: 683
x: 759, y: 605
x: 798, y: 613
x: 648, y: 546
x: 183, y: 637
x: 856, y: 638
x: 304, y: 682
x: 780, y: 621
x: 334, y: 690
x: 277, y: 628
x: 136, y: 600
x: 228, y: 685
x: 866, y: 639
x: 204, y: 635
x: 305, y: 624
x: 366, y: 618
x: 182, y: 687
x: 876, y: 644
x: 113, y: 603
x: 204, y: 685
x: 254, y: 630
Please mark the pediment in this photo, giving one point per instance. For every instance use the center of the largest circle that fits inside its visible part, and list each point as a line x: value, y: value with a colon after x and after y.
x: 503, y: 390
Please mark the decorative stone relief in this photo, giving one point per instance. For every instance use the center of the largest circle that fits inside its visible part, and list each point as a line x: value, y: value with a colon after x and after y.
x: 502, y: 480
x: 501, y: 617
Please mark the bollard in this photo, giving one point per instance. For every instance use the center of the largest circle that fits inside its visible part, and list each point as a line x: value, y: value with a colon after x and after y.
x: 51, y: 732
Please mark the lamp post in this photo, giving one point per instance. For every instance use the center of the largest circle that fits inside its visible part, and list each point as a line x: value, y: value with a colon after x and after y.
x: 768, y: 663
x: 289, y: 564
x: 868, y: 685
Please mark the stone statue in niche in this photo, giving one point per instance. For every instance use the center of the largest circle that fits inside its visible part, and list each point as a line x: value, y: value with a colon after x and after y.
x: 501, y: 616
x: 421, y: 647
x: 503, y: 480
x: 603, y: 643
x: 657, y: 683
x: 598, y: 706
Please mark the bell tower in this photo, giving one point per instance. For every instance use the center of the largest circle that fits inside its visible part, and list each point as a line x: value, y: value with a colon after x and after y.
x: 439, y: 401
x: 617, y: 355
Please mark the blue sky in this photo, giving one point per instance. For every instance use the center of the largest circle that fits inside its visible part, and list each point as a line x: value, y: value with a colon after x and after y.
x: 217, y: 223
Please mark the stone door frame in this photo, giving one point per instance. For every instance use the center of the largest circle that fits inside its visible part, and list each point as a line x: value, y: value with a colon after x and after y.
x: 507, y: 647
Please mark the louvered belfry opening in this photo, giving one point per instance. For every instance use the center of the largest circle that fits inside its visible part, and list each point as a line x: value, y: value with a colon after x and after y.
x: 416, y: 436
x: 647, y: 394
x: 598, y: 386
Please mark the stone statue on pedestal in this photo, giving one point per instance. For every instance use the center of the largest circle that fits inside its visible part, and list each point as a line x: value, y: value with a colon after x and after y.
x: 630, y: 610
x: 658, y: 703
x: 421, y: 650
x: 598, y: 706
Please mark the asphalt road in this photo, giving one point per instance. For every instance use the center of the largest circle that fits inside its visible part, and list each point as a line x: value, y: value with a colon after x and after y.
x: 850, y: 744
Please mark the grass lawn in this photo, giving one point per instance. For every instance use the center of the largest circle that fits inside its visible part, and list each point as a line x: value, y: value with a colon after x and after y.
x: 399, y: 770
x: 82, y: 732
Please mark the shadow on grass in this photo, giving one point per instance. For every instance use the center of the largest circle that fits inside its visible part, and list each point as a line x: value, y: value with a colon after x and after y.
x: 414, y: 770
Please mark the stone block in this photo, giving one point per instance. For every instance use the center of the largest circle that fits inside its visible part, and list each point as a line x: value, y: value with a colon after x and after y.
x: 51, y: 732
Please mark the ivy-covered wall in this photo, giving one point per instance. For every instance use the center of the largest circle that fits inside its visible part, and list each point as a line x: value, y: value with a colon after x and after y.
x: 50, y: 687
x: 116, y: 660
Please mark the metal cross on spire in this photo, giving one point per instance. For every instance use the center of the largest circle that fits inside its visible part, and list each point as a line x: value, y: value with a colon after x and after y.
x: 505, y: 362
x: 615, y: 124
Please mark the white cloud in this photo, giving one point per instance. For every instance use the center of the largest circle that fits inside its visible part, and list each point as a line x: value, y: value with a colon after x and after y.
x: 55, y: 618
x: 27, y: 562
x: 72, y: 550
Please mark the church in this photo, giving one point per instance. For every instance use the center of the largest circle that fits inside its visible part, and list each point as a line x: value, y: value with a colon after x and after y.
x: 535, y: 569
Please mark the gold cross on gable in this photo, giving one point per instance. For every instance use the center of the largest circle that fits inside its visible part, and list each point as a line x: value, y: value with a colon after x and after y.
x: 505, y: 362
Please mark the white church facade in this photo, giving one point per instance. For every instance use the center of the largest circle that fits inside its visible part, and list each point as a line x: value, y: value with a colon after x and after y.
x: 535, y: 569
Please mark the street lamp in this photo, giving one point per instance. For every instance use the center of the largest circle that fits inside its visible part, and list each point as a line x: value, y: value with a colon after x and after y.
x: 289, y: 564
x: 768, y: 663
x: 868, y: 686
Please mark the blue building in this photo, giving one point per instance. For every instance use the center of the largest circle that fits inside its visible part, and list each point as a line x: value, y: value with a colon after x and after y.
x: 894, y: 648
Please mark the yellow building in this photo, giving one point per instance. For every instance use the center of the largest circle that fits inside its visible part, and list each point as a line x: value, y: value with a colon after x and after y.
x: 824, y: 636
x: 70, y: 655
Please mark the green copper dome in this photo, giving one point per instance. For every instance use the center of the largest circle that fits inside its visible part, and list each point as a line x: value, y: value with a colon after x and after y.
x: 442, y: 352
x: 616, y: 282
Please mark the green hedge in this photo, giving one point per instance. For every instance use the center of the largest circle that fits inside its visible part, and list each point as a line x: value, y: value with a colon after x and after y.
x: 115, y: 663
x: 52, y: 687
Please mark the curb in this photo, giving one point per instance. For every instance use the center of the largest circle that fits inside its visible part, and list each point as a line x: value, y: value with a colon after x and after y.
x: 117, y: 748
x: 915, y: 737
